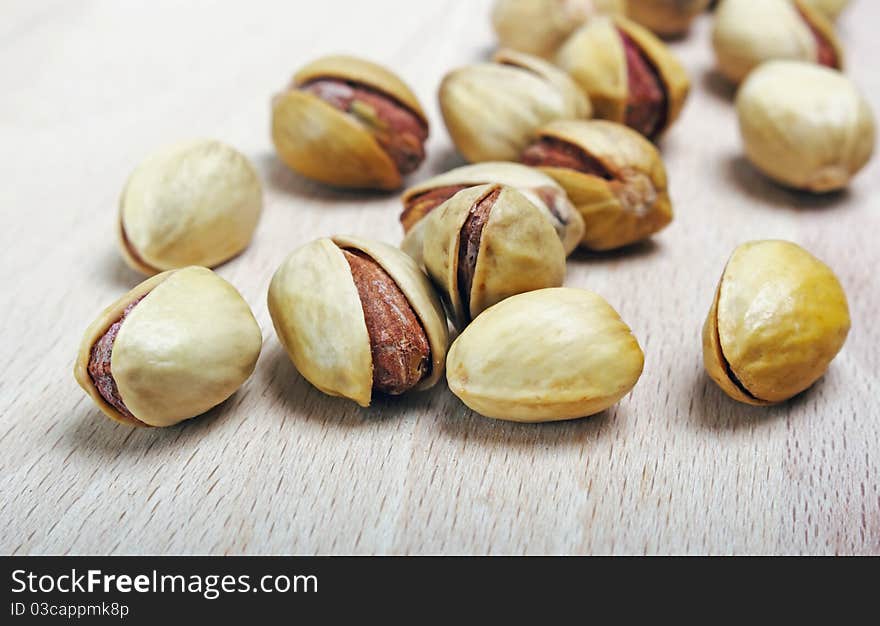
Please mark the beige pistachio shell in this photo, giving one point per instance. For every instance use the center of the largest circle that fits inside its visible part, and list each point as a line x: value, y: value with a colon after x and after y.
x: 186, y: 347
x: 748, y: 33
x: 193, y: 203
x: 492, y: 109
x: 539, y: 27
x: 829, y: 8
x: 667, y: 18
x: 319, y: 319
x: 778, y: 319
x: 546, y: 355
x: 566, y: 220
x: 805, y: 126
x: 618, y: 212
x: 519, y: 250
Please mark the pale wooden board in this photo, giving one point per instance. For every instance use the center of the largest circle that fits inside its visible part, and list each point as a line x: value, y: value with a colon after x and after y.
x: 89, y: 88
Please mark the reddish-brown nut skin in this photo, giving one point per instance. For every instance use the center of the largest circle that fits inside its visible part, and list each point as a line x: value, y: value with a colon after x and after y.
x: 552, y: 152
x: 399, y: 131
x: 419, y: 206
x: 469, y: 244
x: 99, y: 364
x: 827, y: 56
x: 646, y: 105
x: 398, y: 342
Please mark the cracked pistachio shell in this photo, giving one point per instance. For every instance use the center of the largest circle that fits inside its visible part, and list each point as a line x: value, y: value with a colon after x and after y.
x: 595, y: 58
x: 539, y: 188
x: 319, y: 319
x: 185, y: 348
x: 829, y: 8
x: 193, y: 203
x: 539, y: 27
x: 805, y: 126
x: 519, y: 250
x: 778, y: 319
x: 748, y: 33
x: 667, y: 18
x: 325, y: 144
x: 546, y: 355
x: 492, y: 109
x: 631, y: 207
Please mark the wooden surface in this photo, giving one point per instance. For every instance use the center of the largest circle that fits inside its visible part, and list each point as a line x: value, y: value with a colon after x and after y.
x: 89, y: 88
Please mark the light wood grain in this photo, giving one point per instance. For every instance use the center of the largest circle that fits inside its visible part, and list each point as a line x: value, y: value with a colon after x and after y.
x: 89, y: 88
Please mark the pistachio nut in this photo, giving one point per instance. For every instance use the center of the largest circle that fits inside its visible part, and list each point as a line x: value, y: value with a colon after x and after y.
x: 630, y: 75
x: 487, y: 243
x: 491, y: 109
x: 748, y: 33
x: 778, y: 319
x: 667, y: 18
x: 829, y: 8
x: 348, y: 122
x: 173, y: 347
x: 193, y: 203
x: 546, y: 355
x: 540, y: 26
x: 805, y: 126
x: 358, y: 316
x: 544, y: 192
x: 613, y: 175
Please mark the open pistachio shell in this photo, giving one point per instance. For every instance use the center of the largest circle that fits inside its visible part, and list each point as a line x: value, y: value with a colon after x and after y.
x: 188, y: 344
x: 628, y: 200
x: 829, y: 8
x: 193, y: 203
x: 518, y: 250
x: 539, y: 188
x: 667, y: 18
x: 778, y: 319
x: 748, y: 33
x: 546, y: 355
x: 491, y: 109
x: 320, y: 320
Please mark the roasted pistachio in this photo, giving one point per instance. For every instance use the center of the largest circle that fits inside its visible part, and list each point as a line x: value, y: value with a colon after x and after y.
x: 348, y: 122
x: 551, y: 354
x: 829, y: 8
x: 613, y: 175
x: 805, y: 126
x: 630, y: 76
x: 778, y: 319
x: 544, y: 192
x: 749, y: 33
x: 540, y: 26
x: 667, y: 18
x: 491, y: 109
x: 193, y: 203
x: 358, y: 316
x: 485, y: 244
x: 171, y: 348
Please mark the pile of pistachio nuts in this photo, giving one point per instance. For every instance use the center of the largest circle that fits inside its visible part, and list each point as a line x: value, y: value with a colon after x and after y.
x: 559, y: 130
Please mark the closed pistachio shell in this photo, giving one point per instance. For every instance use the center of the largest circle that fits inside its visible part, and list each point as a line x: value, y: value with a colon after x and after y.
x: 320, y: 318
x: 778, y: 319
x: 365, y: 139
x: 805, y: 126
x: 748, y: 33
x: 186, y: 340
x: 193, y: 203
x: 613, y: 175
x: 829, y: 8
x: 546, y: 355
x: 667, y: 18
x: 491, y: 109
x: 515, y: 249
x: 601, y: 57
x: 539, y: 188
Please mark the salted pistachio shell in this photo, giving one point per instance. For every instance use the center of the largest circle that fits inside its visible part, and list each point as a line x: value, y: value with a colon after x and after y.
x: 539, y: 188
x: 546, y: 355
x: 748, y: 33
x: 829, y: 8
x: 539, y: 27
x: 319, y: 319
x: 778, y: 319
x: 805, y: 126
x: 667, y: 18
x: 192, y: 203
x: 491, y: 109
x: 188, y: 345
x: 518, y: 250
x: 631, y: 206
